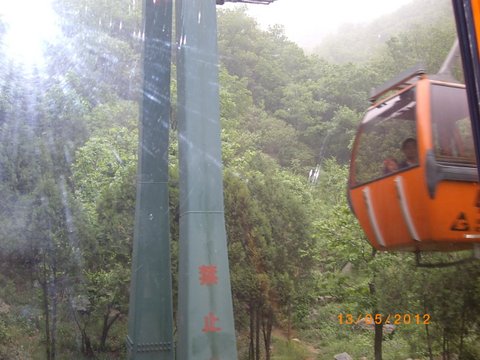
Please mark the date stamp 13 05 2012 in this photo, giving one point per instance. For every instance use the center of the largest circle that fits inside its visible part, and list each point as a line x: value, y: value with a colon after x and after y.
x: 394, y: 319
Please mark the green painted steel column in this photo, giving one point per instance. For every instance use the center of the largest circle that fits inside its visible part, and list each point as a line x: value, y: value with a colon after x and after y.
x: 205, y: 315
x: 150, y: 322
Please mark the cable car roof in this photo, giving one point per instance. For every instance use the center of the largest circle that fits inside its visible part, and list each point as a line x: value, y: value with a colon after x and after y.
x: 399, y: 82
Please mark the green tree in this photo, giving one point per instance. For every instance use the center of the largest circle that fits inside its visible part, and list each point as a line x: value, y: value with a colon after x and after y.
x: 267, y: 213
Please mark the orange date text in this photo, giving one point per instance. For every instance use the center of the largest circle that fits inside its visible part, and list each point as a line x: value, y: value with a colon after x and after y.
x: 394, y: 319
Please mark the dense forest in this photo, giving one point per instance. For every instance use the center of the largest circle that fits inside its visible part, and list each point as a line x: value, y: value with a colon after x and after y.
x: 298, y: 259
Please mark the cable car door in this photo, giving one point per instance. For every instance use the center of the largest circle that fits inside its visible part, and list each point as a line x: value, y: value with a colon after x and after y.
x: 451, y: 173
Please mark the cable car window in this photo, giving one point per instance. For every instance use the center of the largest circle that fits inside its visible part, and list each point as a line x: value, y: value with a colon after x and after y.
x: 386, y: 130
x: 452, y: 131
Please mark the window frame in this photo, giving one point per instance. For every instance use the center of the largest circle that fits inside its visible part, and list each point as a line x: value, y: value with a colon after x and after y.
x: 371, y: 117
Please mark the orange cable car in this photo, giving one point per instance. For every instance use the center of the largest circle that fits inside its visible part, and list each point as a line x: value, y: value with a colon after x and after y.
x: 413, y: 182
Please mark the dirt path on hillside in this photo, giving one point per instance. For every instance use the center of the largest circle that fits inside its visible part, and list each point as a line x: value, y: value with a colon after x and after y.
x: 279, y: 333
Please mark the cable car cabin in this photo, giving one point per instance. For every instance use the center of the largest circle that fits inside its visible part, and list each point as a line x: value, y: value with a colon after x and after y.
x: 413, y: 183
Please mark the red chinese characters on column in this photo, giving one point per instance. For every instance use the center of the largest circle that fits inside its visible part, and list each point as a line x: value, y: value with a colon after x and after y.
x: 208, y: 274
x: 209, y: 323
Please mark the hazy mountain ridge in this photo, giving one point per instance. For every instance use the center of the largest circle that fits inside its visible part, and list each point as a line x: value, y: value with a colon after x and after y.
x: 357, y: 42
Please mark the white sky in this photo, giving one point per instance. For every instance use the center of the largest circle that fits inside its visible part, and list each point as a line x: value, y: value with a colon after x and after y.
x: 30, y: 24
x: 307, y: 21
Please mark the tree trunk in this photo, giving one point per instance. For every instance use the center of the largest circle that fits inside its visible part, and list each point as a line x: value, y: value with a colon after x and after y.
x: 429, y: 343
x: 378, y: 340
x: 462, y: 328
x: 429, y: 340
x: 88, y: 350
x: 448, y: 349
x: 257, y: 332
x: 53, y: 337
x: 107, y: 324
x: 44, y: 284
x: 267, y: 324
x: 377, y: 345
x: 251, y: 348
x: 444, y: 345
x: 289, y: 325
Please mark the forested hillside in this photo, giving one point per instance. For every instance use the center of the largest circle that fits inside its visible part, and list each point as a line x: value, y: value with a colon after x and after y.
x: 299, y: 262
x: 358, y: 42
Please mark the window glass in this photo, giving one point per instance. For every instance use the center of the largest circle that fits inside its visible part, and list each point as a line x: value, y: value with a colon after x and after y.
x: 452, y: 131
x: 390, y: 128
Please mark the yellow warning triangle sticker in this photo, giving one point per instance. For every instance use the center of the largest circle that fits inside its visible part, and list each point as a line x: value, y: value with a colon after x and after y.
x: 460, y: 223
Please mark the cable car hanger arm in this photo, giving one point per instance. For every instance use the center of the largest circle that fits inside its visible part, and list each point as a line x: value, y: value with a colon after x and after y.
x: 418, y: 263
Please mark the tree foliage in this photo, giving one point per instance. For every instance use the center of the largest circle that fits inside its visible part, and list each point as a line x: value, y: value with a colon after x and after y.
x: 298, y: 257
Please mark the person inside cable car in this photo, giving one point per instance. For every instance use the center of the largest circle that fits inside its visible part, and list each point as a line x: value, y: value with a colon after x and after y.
x: 390, y: 165
x: 409, y: 148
